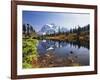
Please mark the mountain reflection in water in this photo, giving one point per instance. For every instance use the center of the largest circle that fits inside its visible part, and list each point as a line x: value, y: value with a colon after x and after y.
x: 62, y: 53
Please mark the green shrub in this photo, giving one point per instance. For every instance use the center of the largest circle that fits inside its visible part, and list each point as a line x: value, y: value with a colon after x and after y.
x: 29, y: 52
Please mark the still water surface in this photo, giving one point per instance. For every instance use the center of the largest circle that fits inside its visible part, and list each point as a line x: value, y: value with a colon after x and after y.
x: 62, y: 53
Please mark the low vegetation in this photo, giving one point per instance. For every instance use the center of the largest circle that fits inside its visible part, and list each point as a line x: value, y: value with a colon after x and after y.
x: 29, y: 52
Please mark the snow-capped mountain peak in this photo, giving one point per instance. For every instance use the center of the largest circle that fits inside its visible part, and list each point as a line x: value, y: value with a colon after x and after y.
x: 50, y: 29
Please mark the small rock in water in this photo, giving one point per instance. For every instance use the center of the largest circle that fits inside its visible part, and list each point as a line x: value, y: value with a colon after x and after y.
x: 76, y: 56
x: 71, y: 52
x: 47, y: 55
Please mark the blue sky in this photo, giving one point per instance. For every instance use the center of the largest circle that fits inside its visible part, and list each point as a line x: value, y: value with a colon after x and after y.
x: 63, y: 19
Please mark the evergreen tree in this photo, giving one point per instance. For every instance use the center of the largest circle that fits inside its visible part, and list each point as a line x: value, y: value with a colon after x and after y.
x: 31, y: 29
x: 24, y: 29
x: 28, y: 29
x: 59, y: 30
x: 54, y: 33
x: 79, y: 30
x: 71, y: 31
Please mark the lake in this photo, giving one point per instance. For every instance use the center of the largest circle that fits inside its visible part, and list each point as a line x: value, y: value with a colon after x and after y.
x: 55, y: 53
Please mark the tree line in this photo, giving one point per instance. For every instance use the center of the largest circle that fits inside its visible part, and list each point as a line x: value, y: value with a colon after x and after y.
x: 77, y: 30
x: 27, y: 29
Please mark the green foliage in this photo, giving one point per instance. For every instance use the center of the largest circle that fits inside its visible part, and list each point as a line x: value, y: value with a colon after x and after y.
x: 26, y: 65
x: 29, y: 52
